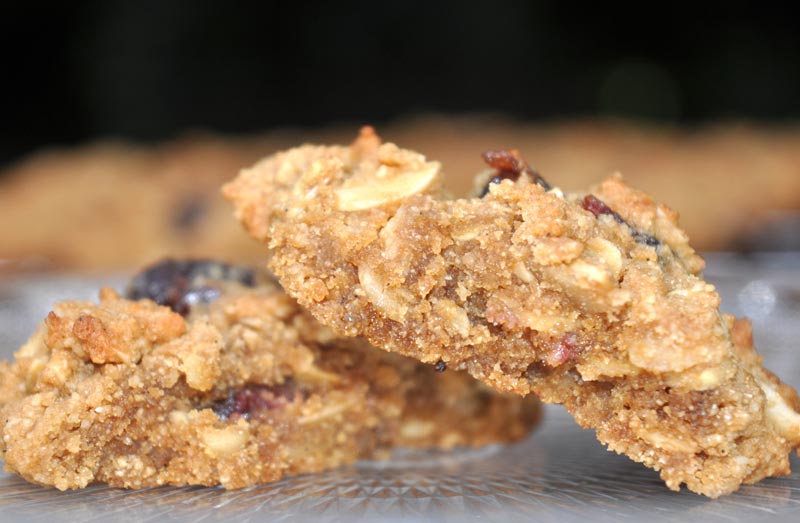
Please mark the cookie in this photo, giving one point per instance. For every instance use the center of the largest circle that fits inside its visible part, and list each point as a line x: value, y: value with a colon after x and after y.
x: 594, y: 300
x: 164, y: 199
x: 68, y: 208
x: 225, y: 382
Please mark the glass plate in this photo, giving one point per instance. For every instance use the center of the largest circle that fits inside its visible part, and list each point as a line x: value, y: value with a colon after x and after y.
x: 560, y: 473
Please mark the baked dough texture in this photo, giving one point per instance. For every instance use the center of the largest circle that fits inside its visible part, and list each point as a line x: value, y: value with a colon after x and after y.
x: 246, y: 388
x: 594, y: 300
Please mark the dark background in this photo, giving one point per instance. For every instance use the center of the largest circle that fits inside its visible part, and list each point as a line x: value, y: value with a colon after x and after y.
x: 148, y: 70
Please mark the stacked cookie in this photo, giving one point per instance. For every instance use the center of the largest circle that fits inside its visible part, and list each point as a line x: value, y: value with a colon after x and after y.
x: 207, y: 374
x: 594, y: 300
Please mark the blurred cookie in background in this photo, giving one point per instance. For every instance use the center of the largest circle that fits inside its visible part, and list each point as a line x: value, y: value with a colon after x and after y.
x: 114, y: 205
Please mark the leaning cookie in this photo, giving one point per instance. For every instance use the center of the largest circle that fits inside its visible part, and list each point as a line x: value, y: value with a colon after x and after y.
x: 593, y: 300
x: 237, y: 387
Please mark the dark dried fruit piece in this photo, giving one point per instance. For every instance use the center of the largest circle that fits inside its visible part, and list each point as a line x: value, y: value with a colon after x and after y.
x: 597, y: 207
x: 510, y: 166
x: 644, y: 238
x: 504, y: 160
x: 440, y: 366
x: 179, y: 284
x: 253, y: 399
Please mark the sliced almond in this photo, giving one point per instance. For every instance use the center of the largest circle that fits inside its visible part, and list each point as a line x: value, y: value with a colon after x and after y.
x: 360, y: 193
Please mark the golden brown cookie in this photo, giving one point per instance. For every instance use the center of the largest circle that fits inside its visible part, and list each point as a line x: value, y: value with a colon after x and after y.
x: 243, y: 388
x: 593, y: 300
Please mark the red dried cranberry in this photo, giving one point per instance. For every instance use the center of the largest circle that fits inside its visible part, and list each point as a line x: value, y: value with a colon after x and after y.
x: 597, y: 207
x: 504, y: 160
x: 510, y: 166
x: 252, y: 399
